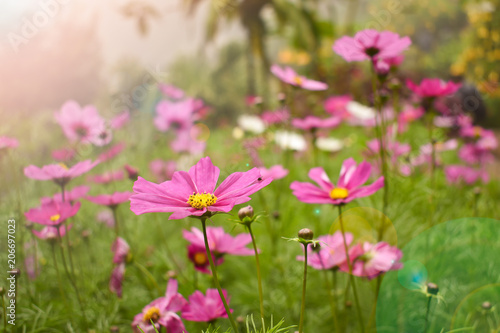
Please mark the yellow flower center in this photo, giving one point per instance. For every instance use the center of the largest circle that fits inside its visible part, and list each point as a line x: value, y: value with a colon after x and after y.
x: 477, y: 131
x: 298, y: 80
x: 64, y: 166
x: 153, y: 313
x: 201, y: 200
x: 339, y: 193
x: 200, y: 258
x: 55, y: 218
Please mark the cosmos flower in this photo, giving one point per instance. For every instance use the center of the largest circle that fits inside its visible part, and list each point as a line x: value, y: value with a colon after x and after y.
x: 220, y: 243
x: 178, y: 116
x: 457, y: 173
x: 120, y: 120
x: 72, y: 195
x: 198, y: 256
x: 120, y: 248
x: 106, y: 217
x: 275, y: 117
x: 50, y: 233
x: 275, y: 172
x: 162, y: 170
x: 310, y: 123
x: 52, y: 213
x: 107, y: 177
x: 252, y: 124
x: 331, y: 253
x: 162, y: 311
x: 371, y: 260
x: 205, y: 308
x: 288, y: 75
x: 194, y: 193
x: 7, y: 142
x: 348, y: 188
x: 80, y: 124
x: 337, y: 106
x: 431, y: 88
x: 360, y: 112
x: 132, y: 172
x: 371, y: 44
x: 116, y: 280
x: 185, y: 142
x: 112, y: 152
x: 408, y: 115
x: 171, y: 91
x: 59, y: 173
x: 110, y: 200
x: 63, y: 155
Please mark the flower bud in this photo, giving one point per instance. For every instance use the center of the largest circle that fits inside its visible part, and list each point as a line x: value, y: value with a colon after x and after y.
x: 316, y: 247
x: 85, y: 234
x: 114, y: 329
x: 171, y: 274
x: 16, y: 272
x: 306, y: 234
x: 432, y: 288
x: 348, y: 304
x: 240, y: 319
x: 486, y: 306
x: 477, y: 190
x: 132, y: 172
x: 29, y: 225
x: 276, y: 215
x: 2, y: 291
x: 245, y: 212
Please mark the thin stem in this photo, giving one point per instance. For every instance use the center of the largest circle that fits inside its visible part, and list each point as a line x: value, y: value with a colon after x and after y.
x: 351, y: 277
x: 63, y: 198
x: 427, y: 313
x: 216, y: 279
x: 115, y: 218
x: 59, y: 280
x: 4, y: 315
x: 304, y: 283
x: 330, y: 296
x: 259, y: 278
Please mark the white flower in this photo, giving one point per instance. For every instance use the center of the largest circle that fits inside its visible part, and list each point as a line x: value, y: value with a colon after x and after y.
x: 329, y: 144
x: 238, y: 133
x: 251, y: 124
x: 360, y: 111
x: 290, y: 140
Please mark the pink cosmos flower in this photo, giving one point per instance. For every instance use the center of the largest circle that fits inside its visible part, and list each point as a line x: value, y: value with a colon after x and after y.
x: 112, y: 152
x: 310, y: 123
x: 103, y: 138
x: 106, y: 217
x: 80, y: 124
x: 132, y: 172
x: 408, y: 115
x: 193, y: 193
x: 52, y: 213
x: 162, y: 170
x: 162, y: 311
x: 348, y: 188
x: 253, y: 100
x: 120, y: 120
x: 288, y: 75
x: 116, y: 280
x: 475, y: 132
x: 198, y: 256
x: 275, y: 117
x: 371, y: 44
x: 384, y: 65
x: 439, y: 147
x: 30, y: 259
x: 176, y: 115
x: 337, y: 106
x: 59, y: 173
x: 394, y: 148
x: 185, y: 142
x: 457, y: 173
x: 72, y: 195
x: 275, y: 172
x: 331, y: 253
x: 63, y: 155
x: 220, y: 243
x: 205, y: 308
x: 171, y: 91
x: 371, y: 260
x: 431, y: 88
x: 6, y: 142
x: 120, y: 248
x: 50, y: 233
x: 110, y: 200
x: 474, y: 154
x: 107, y: 177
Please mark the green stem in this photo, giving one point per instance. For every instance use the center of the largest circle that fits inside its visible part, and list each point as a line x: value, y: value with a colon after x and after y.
x: 330, y: 296
x: 59, y: 280
x: 427, y: 313
x: 115, y: 218
x: 259, y: 278
x: 4, y: 314
x: 351, y: 276
x: 216, y: 279
x: 304, y: 283
x: 70, y: 256
x: 148, y: 275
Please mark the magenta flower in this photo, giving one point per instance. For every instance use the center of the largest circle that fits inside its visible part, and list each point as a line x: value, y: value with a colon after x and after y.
x: 337, y: 106
x: 176, y: 115
x: 111, y: 152
x: 171, y: 91
x: 198, y: 256
x: 185, y: 142
x: 288, y: 75
x: 371, y: 260
x: 120, y: 248
x: 80, y: 124
x: 408, y: 115
x: 110, y: 200
x: 220, y: 243
x: 162, y: 170
x: 275, y: 117
x: 106, y: 217
x: 331, y: 253
x: 50, y: 233
x: 194, y: 194
x: 162, y: 311
x: 132, y: 173
x: 431, y: 88
x: 475, y: 132
x: 348, y: 188
x: 52, y: 213
x: 274, y: 172
x: 457, y: 173
x: 72, y: 195
x: 205, y: 308
x: 473, y: 153
x: 384, y: 65
x: 371, y: 44
x: 6, y: 142
x: 116, y: 280
x: 63, y: 155
x: 310, y: 123
x: 59, y: 173
x: 107, y: 177
x: 120, y: 120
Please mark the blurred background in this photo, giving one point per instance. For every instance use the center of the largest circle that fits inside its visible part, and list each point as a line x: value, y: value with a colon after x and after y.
x: 113, y: 53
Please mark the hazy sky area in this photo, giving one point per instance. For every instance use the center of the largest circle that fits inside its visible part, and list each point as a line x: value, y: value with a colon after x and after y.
x: 42, y: 41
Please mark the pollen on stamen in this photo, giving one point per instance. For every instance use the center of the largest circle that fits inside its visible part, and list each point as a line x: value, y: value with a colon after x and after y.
x: 201, y: 200
x: 339, y: 193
